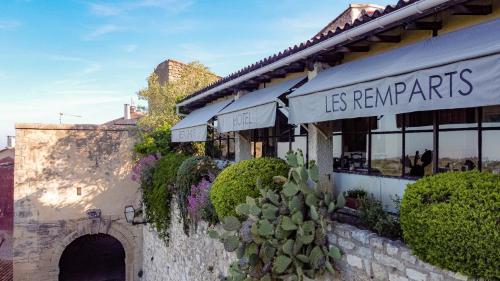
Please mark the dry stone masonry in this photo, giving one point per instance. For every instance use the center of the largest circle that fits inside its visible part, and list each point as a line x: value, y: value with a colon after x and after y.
x: 366, y: 256
x: 186, y: 258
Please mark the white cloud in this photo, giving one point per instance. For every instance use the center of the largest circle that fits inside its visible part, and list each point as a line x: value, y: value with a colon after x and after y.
x: 129, y: 48
x: 88, y: 66
x: 100, y: 31
x: 7, y: 25
x: 93, y: 67
x: 121, y: 7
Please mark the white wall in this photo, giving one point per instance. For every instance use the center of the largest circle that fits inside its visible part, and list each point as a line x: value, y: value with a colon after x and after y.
x: 382, y: 188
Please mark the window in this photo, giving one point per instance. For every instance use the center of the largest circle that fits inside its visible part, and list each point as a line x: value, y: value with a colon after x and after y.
x: 220, y: 145
x: 419, y: 143
x: 353, y: 144
x: 418, y: 153
x: 386, y: 146
x: 458, y: 140
x: 491, y: 139
x: 491, y: 151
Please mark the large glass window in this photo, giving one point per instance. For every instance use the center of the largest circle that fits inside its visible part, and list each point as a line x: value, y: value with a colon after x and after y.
x: 491, y: 139
x: 418, y: 144
x: 220, y: 145
x: 491, y: 151
x: 458, y: 140
x: 386, y: 146
x: 354, y: 145
x: 418, y: 154
x: 458, y: 151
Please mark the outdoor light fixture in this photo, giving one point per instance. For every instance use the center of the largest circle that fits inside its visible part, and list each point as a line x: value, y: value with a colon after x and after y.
x: 130, y: 214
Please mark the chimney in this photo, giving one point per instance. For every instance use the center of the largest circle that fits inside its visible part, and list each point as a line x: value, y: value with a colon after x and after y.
x: 126, y: 112
x: 11, y: 141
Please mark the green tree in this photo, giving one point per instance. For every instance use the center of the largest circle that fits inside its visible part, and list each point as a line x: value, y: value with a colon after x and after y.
x: 163, y: 98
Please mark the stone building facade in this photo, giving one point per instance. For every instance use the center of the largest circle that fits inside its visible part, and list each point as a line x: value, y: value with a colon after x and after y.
x: 169, y: 70
x: 72, y: 181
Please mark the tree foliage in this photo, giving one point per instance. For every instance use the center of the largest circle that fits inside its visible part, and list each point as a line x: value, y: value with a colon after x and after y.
x: 163, y: 98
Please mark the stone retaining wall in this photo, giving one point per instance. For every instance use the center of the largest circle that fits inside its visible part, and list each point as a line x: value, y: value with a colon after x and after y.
x: 186, y: 258
x: 366, y: 256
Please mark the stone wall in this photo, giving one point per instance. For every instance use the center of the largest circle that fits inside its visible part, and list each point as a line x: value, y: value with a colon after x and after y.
x: 169, y: 70
x: 197, y: 257
x: 61, y: 172
x: 366, y: 256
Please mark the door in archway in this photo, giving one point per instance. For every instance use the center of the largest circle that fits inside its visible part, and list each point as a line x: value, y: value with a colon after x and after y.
x: 98, y: 257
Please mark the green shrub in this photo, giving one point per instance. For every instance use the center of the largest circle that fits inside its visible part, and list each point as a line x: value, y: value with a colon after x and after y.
x: 281, y: 235
x: 355, y: 193
x: 190, y: 173
x: 238, y: 181
x: 158, y: 194
x: 452, y: 220
x: 374, y: 217
x: 159, y: 141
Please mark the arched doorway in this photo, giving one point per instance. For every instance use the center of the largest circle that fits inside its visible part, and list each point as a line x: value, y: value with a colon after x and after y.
x: 96, y: 257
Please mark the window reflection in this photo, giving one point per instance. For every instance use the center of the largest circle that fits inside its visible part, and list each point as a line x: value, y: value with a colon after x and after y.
x: 386, y: 154
x: 418, y: 154
x: 457, y: 151
x: 457, y: 118
x: 386, y: 123
x: 491, y: 151
x: 491, y: 116
x: 422, y: 120
x: 353, y: 145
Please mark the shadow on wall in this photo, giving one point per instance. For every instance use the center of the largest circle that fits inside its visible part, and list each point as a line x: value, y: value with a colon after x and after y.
x: 65, y: 172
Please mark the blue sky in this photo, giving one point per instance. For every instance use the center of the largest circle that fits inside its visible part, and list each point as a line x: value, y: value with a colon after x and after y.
x: 89, y: 57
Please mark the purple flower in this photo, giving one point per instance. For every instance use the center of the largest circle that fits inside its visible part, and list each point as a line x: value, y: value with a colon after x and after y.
x: 145, y: 162
x: 198, y: 199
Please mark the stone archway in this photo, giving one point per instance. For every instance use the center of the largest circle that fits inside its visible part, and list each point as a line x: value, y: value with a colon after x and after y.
x: 93, y: 257
x: 116, y: 229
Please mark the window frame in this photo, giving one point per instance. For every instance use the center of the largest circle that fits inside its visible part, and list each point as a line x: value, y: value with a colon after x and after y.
x: 435, y: 130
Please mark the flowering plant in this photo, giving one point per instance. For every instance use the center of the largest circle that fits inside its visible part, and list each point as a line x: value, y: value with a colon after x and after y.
x: 143, y: 166
x: 199, y: 205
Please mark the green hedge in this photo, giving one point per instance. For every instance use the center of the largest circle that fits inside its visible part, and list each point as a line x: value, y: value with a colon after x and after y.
x: 452, y: 220
x: 191, y: 172
x: 158, y: 195
x: 238, y: 181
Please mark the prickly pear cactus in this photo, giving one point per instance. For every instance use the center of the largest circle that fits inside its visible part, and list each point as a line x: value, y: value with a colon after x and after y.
x: 282, y: 234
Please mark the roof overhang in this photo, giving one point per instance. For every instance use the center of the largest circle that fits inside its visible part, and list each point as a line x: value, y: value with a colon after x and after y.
x: 411, y: 11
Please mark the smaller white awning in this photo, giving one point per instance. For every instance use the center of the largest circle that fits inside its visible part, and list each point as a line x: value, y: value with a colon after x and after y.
x: 254, y: 110
x: 194, y: 126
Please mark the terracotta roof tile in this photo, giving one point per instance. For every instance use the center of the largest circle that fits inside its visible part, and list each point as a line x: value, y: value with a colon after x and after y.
x: 296, y: 48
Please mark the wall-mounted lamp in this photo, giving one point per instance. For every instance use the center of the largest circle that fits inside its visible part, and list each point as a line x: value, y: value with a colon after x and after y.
x: 131, y: 214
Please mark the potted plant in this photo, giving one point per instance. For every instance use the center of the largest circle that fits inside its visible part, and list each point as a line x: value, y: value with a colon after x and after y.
x: 353, y: 198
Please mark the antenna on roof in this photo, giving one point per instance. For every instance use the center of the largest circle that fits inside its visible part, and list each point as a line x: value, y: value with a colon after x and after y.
x: 65, y: 114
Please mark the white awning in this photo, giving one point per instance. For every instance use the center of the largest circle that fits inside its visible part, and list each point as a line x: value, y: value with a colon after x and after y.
x: 194, y: 126
x: 254, y: 110
x: 454, y: 70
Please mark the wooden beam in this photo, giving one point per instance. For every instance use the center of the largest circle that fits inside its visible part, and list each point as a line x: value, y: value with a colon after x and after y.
x: 472, y: 9
x: 424, y: 25
x: 352, y: 49
x: 278, y: 73
x: 384, y: 38
x: 263, y: 78
x: 295, y: 67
